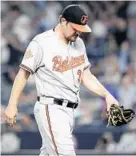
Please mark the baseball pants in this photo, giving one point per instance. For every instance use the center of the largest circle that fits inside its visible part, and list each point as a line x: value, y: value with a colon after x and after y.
x: 55, y: 124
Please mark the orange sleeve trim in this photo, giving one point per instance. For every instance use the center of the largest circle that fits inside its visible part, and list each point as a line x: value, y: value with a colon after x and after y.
x: 87, y: 67
x: 26, y: 68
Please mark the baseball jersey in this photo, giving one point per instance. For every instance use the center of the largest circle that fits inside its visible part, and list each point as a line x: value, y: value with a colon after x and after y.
x: 57, y: 68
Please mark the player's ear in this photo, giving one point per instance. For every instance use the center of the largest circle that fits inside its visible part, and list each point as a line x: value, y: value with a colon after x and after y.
x: 62, y: 20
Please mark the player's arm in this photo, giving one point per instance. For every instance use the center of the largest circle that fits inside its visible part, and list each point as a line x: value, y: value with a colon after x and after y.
x: 31, y: 61
x: 18, y: 86
x: 93, y: 84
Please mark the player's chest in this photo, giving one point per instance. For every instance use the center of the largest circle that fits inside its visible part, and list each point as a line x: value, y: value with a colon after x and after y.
x: 63, y: 58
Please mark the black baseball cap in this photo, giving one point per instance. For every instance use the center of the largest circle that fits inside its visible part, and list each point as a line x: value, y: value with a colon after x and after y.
x: 77, y: 16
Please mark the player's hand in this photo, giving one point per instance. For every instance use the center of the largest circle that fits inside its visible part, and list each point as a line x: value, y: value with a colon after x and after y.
x: 110, y: 100
x: 10, y: 114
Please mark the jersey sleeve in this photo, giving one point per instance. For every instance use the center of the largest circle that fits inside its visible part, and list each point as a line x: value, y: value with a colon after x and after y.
x: 87, y: 63
x: 32, y: 57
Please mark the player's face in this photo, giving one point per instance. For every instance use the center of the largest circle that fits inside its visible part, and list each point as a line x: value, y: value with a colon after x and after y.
x: 70, y: 33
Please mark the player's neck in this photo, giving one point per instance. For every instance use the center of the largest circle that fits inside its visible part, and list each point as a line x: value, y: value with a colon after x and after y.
x: 59, y: 33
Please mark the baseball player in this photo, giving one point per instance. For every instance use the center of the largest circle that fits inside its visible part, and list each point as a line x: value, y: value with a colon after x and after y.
x: 57, y: 59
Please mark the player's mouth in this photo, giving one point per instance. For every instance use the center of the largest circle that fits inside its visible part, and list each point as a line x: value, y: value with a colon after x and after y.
x: 76, y: 35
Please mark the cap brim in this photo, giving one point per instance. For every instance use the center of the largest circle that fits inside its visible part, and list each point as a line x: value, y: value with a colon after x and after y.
x: 81, y: 28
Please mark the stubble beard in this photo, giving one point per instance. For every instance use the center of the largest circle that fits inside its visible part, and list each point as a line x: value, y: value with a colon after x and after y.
x: 72, y: 38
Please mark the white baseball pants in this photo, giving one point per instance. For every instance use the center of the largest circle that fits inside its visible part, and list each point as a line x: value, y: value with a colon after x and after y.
x: 55, y: 124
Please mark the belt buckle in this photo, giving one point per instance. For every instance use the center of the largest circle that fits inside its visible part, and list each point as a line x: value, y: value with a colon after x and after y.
x: 65, y: 102
x: 75, y: 105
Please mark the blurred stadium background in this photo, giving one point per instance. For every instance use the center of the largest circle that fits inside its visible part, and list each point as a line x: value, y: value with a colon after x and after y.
x: 111, y: 49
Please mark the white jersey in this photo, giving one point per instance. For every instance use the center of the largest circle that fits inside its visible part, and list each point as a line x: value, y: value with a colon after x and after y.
x: 57, y: 68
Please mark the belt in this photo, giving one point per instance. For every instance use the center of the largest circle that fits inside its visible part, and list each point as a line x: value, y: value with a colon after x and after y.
x: 62, y: 102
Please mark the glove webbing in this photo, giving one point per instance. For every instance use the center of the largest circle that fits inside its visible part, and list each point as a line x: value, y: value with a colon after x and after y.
x: 112, y: 118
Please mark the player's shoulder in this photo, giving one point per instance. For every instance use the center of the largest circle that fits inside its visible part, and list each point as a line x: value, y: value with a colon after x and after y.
x: 44, y: 36
x: 79, y: 43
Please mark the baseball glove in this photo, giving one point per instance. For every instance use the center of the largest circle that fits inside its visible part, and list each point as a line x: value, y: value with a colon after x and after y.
x: 118, y: 116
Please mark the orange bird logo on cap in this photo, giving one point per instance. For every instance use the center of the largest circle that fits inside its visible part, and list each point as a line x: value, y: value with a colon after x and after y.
x: 84, y: 19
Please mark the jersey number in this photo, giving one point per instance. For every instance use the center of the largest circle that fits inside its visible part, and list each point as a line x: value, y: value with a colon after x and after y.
x: 79, y: 73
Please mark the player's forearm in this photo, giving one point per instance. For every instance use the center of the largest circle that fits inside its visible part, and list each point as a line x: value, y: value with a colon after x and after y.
x: 18, y: 86
x: 93, y: 84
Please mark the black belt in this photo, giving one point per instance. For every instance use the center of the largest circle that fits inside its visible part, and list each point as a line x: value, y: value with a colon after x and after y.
x: 61, y: 102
